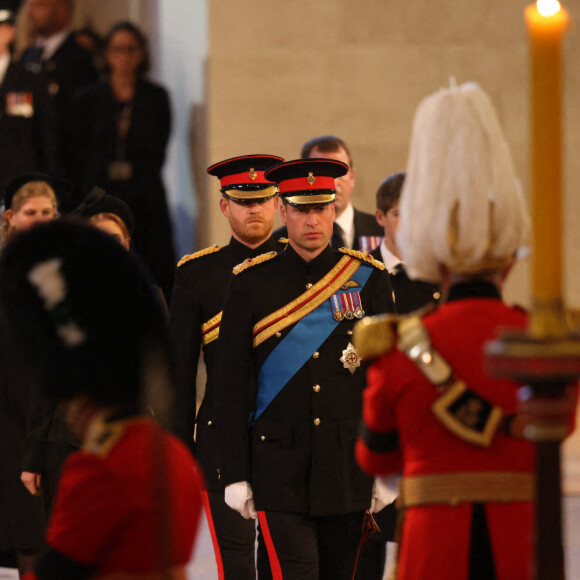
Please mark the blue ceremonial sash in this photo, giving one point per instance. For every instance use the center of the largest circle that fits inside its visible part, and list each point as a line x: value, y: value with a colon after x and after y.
x: 297, y: 347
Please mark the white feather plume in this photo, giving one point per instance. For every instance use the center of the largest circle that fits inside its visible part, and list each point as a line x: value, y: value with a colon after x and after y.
x: 459, y: 164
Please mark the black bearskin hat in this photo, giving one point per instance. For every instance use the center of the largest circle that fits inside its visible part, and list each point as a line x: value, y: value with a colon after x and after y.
x: 83, y: 312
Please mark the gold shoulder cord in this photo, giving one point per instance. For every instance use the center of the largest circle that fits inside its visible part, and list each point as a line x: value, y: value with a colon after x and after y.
x: 248, y: 263
x: 364, y: 256
x: 194, y: 256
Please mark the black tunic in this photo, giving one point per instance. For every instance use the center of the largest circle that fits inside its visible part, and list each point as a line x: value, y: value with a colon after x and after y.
x: 198, y: 295
x: 410, y: 295
x: 27, y: 133
x: 293, y: 464
x: 22, y: 518
x: 68, y: 69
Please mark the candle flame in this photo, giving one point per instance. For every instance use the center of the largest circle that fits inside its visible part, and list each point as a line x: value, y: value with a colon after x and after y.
x: 548, y: 7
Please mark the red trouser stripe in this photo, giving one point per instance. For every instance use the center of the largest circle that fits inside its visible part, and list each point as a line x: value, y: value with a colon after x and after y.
x: 274, y: 562
x: 216, y: 548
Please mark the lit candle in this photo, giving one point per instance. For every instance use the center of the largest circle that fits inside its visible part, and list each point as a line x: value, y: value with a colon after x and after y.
x: 546, y: 23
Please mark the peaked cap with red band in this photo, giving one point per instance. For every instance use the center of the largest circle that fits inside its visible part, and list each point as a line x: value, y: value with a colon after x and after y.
x: 242, y: 178
x: 307, y: 181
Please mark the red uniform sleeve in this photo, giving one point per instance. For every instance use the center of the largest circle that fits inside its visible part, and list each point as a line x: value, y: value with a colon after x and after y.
x: 79, y: 527
x: 377, y: 449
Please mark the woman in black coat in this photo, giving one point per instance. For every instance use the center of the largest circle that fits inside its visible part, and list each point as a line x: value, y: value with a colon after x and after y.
x: 120, y: 131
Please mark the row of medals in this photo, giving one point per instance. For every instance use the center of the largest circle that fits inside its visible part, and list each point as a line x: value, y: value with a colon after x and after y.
x: 349, y: 314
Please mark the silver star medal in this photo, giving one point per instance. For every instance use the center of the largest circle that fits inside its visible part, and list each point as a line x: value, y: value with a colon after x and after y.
x: 350, y: 359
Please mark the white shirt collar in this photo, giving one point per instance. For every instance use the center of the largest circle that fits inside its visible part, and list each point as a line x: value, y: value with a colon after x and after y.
x: 389, y: 259
x: 346, y: 221
x: 4, y: 64
x: 52, y: 43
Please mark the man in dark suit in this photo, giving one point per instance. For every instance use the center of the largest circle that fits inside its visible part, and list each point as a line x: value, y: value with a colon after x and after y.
x: 356, y: 229
x: 289, y: 383
x: 27, y: 124
x: 66, y: 65
x: 249, y: 202
x: 408, y: 295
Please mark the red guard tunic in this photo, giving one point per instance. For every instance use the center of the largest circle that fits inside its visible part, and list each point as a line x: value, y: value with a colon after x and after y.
x: 125, y: 508
x: 397, y: 413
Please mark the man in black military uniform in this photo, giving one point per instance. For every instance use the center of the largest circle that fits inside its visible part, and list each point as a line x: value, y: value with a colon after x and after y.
x: 409, y: 295
x: 352, y: 228
x: 27, y: 121
x: 289, y: 383
x: 249, y: 202
x: 66, y: 66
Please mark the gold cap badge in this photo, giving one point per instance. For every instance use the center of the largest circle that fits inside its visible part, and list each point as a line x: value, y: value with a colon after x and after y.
x: 310, y: 179
x: 253, y: 174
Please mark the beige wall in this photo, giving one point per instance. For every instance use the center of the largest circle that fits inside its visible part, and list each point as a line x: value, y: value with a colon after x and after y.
x: 281, y: 72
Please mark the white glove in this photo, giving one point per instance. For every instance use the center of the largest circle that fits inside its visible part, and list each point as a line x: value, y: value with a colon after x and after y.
x: 239, y: 497
x: 385, y: 491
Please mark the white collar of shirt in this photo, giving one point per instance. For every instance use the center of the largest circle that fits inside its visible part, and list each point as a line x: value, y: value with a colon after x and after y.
x: 389, y: 259
x: 52, y: 43
x: 346, y: 222
x: 4, y: 64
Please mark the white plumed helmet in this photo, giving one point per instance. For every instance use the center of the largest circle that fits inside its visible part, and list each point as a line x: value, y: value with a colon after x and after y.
x: 461, y: 204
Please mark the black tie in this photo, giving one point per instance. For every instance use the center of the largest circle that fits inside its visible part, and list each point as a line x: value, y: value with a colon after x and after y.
x: 337, y: 240
x: 34, y: 58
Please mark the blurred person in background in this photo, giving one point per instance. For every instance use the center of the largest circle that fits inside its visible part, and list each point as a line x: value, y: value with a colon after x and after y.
x: 92, y: 42
x: 108, y: 214
x: 66, y: 66
x: 352, y: 228
x: 408, y: 294
x: 121, y: 130
x: 29, y: 200
x: 27, y: 120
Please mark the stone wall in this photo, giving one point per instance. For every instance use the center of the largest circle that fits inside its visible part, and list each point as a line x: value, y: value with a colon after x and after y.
x: 281, y: 72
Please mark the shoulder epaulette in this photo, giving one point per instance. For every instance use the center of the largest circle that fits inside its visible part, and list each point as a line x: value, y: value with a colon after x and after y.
x: 249, y: 262
x: 283, y: 240
x: 194, y: 256
x: 364, y: 256
x: 375, y: 335
x: 413, y: 340
x: 103, y: 436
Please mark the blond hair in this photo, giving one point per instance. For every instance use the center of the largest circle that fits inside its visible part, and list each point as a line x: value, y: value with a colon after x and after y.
x: 27, y: 191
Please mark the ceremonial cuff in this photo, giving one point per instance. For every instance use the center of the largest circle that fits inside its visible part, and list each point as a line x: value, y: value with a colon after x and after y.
x: 379, y: 442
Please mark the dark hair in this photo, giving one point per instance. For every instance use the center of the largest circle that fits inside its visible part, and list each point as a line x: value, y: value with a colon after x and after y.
x: 126, y: 26
x: 326, y: 144
x: 94, y: 36
x: 389, y: 191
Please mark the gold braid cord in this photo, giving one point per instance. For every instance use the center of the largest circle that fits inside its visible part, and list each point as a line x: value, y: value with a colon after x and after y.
x: 363, y: 256
x: 210, y: 330
x: 205, y: 252
x: 306, y: 302
x: 253, y: 262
